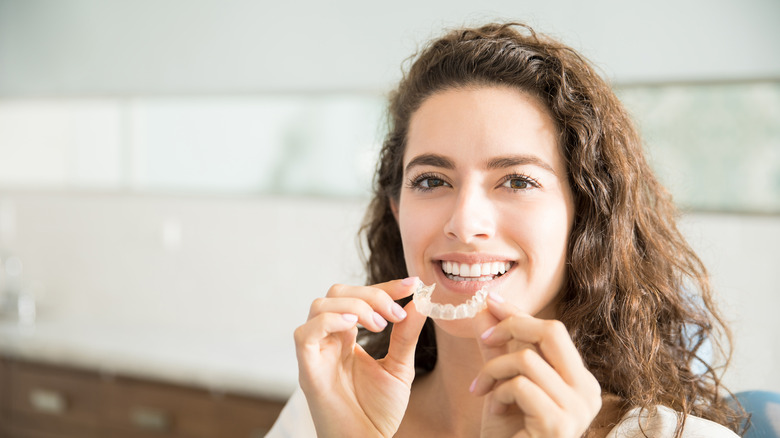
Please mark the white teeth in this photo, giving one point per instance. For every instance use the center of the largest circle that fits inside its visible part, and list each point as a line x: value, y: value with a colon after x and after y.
x: 475, y: 271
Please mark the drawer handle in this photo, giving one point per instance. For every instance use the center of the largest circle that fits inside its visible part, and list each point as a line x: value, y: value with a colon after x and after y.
x: 48, y: 401
x: 150, y: 419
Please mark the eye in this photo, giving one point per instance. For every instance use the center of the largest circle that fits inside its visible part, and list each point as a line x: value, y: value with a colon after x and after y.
x: 430, y: 183
x: 520, y: 182
x: 427, y: 182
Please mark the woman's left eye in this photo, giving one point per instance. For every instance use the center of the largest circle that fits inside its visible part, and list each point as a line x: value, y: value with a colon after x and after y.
x: 519, y: 182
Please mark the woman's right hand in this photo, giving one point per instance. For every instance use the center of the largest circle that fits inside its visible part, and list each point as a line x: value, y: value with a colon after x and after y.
x: 348, y: 392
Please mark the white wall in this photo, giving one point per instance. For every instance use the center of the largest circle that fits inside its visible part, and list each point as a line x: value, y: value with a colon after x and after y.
x: 741, y: 255
x: 74, y: 47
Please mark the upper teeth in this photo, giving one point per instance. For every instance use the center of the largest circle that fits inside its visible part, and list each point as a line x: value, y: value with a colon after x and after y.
x: 475, y: 270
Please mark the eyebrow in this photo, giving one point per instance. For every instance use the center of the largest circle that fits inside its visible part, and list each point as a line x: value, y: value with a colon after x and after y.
x: 519, y: 160
x: 503, y: 162
x: 430, y: 160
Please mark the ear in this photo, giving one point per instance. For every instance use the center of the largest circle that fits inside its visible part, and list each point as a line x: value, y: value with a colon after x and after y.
x: 394, y: 208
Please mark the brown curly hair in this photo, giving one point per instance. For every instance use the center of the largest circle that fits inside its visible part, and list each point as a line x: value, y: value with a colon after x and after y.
x: 636, y: 300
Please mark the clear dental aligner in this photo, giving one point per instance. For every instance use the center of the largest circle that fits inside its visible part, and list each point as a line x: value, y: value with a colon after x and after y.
x: 469, y: 309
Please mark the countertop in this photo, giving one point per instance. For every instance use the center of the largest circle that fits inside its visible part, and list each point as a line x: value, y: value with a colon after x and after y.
x: 243, y: 363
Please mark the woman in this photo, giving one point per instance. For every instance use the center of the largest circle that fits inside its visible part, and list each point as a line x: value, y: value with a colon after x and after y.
x: 510, y: 164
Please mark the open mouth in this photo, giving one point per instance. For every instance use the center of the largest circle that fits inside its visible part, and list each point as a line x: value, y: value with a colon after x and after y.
x: 474, y: 272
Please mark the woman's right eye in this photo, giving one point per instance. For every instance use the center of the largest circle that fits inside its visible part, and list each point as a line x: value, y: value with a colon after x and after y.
x: 428, y: 182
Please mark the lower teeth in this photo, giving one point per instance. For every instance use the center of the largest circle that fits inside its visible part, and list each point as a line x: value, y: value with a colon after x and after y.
x: 458, y: 278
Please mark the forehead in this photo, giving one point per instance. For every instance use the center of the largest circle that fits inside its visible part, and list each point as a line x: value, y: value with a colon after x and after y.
x: 476, y: 123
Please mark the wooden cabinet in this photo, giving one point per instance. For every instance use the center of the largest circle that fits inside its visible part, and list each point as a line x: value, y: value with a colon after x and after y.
x: 43, y: 401
x: 56, y: 401
x: 140, y: 409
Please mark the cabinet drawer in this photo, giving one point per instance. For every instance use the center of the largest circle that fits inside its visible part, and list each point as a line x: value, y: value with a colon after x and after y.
x: 241, y: 417
x: 141, y: 409
x: 55, y: 400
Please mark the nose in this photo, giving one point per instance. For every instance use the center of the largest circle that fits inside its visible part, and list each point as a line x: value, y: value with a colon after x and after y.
x: 473, y: 216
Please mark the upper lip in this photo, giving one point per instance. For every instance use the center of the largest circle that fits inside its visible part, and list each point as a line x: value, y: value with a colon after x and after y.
x: 472, y: 258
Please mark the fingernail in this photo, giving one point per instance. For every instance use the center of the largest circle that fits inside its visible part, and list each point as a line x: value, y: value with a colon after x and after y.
x: 473, y: 385
x: 408, y: 281
x: 487, y: 333
x: 349, y: 317
x: 398, y: 311
x: 379, y: 320
x: 493, y: 295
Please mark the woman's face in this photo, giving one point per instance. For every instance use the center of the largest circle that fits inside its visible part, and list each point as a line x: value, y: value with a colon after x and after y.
x: 485, y: 189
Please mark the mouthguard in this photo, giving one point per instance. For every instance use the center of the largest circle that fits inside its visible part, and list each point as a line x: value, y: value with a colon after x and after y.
x: 469, y: 309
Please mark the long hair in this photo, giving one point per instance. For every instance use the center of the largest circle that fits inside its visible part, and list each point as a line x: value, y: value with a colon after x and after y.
x: 636, y: 298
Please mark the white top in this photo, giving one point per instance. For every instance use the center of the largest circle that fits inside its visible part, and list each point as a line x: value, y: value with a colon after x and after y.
x: 295, y: 419
x: 295, y: 422
x: 663, y: 424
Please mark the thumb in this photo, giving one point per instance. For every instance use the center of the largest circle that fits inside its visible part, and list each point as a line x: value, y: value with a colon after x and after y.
x: 403, y: 341
x: 484, y: 321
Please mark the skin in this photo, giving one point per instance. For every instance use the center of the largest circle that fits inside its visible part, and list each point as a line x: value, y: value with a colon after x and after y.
x: 484, y: 181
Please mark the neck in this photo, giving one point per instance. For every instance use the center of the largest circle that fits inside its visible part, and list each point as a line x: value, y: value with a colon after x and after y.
x: 444, y: 392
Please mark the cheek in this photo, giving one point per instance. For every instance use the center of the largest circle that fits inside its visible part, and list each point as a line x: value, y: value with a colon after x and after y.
x: 413, y: 229
x: 543, y: 232
x: 420, y: 224
x: 555, y: 227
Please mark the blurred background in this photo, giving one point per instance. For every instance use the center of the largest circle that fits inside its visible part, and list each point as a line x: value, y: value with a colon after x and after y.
x: 180, y: 178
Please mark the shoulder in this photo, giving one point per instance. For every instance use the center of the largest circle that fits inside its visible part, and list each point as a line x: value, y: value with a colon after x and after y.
x: 663, y: 423
x: 295, y: 419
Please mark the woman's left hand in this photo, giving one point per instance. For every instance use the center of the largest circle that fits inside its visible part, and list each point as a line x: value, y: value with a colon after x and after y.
x: 534, y: 378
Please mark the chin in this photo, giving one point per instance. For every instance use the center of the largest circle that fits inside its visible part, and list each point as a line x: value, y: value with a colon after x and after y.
x: 459, y: 328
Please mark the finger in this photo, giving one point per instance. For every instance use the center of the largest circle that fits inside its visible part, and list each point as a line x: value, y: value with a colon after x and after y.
x: 330, y: 334
x: 310, y: 335
x: 396, y: 289
x: 380, y: 296
x: 366, y: 314
x: 528, y: 363
x: 550, y: 337
x: 542, y: 416
x: 326, y: 338
x: 483, y: 321
x: 403, y: 341
x: 520, y: 391
x: 500, y: 308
